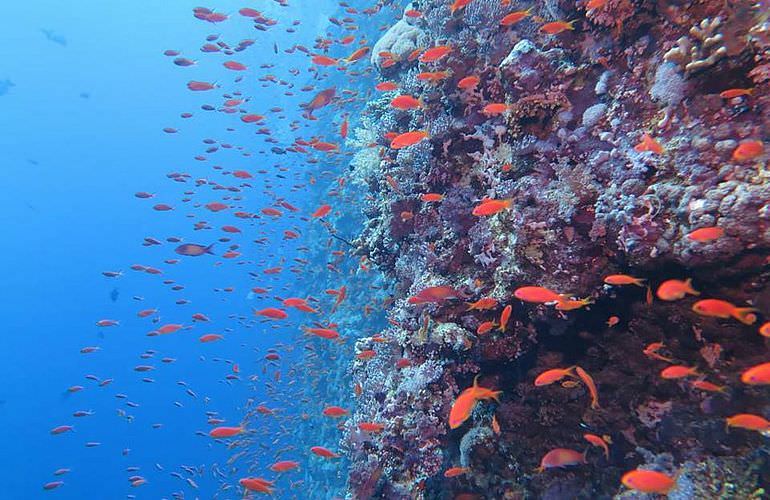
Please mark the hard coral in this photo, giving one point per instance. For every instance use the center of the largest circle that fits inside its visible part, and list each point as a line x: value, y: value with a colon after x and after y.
x: 701, y: 49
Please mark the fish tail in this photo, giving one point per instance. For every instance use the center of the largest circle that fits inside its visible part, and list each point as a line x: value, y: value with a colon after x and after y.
x: 496, y: 395
x: 208, y: 249
x: 745, y: 315
x: 639, y: 282
x: 689, y: 288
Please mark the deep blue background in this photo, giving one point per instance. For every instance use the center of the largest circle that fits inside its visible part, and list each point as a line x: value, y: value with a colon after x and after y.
x: 70, y: 166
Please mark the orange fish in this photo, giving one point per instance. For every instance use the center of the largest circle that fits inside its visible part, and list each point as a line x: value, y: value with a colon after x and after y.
x: 413, y: 55
x: 595, y: 4
x: 358, y: 54
x: 537, y: 294
x: 504, y: 317
x: 671, y: 290
x: 678, y: 371
x: 257, y: 484
x: 648, y: 481
x: 757, y: 375
x: 495, y: 108
x: 458, y: 4
x: 589, y: 382
x: 548, y: 377
x: 322, y: 60
x: 429, y: 197
x: 456, y: 471
x: 561, y: 457
x: 469, y: 82
x: 371, y: 427
x: 322, y: 211
x: 570, y: 304
x: 482, y: 304
x: 649, y: 144
x: 434, y: 294
x: 433, y: 54
x: 515, y: 17
x: 367, y: 354
x: 491, y: 207
x: 386, y: 86
x: 433, y: 76
x: 557, y: 27
x: 403, y: 363
x: 284, y: 465
x: 324, y: 333
x: 408, y: 138
x: 612, y: 321
x: 707, y: 386
x: 652, y: 351
x: 623, y: 279
x: 323, y: 452
x: 335, y: 411
x: 406, y: 102
x: 226, y: 432
x: 716, y: 308
x: 764, y: 330
x: 597, y: 441
x: 485, y: 327
x: 730, y: 93
x: 465, y: 403
x: 749, y: 422
x: 748, y: 150
x: 272, y: 313
x: 706, y: 234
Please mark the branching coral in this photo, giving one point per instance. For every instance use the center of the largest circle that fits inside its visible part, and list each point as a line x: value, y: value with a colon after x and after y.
x: 701, y: 50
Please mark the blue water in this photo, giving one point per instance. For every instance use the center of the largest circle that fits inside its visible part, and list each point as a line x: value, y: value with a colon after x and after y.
x: 81, y: 123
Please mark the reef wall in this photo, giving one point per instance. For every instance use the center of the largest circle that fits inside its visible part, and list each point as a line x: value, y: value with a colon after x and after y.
x: 617, y: 142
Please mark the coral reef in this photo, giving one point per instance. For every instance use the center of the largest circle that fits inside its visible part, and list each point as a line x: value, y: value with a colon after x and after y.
x: 586, y: 196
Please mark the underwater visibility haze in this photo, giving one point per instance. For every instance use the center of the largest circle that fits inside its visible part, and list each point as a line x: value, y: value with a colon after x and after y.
x: 428, y: 249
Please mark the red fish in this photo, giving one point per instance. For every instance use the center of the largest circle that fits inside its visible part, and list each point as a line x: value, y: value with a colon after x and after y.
x: 323, y: 452
x: 408, y: 139
x: 226, y: 432
x: 748, y: 150
x: 434, y: 294
x: 491, y: 207
x: 322, y: 211
x: 469, y: 82
x: 561, y: 457
x: 272, y: 313
x: 435, y: 53
x: 284, y: 466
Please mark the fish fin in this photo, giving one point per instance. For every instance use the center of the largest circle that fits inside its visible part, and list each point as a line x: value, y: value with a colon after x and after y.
x: 208, y: 249
x: 745, y: 315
